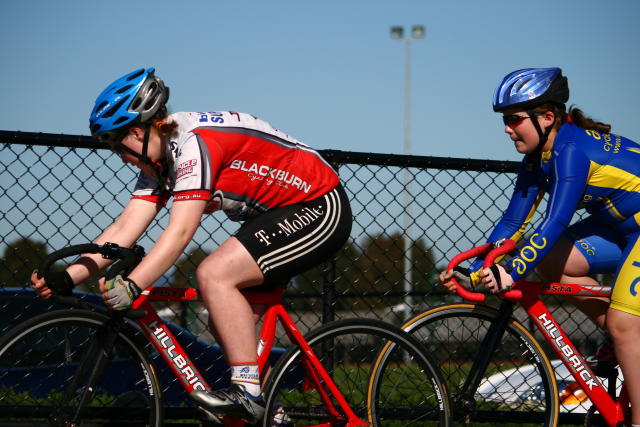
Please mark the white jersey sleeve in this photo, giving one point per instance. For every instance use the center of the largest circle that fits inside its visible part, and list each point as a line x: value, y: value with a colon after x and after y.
x: 191, y: 170
x: 147, y: 186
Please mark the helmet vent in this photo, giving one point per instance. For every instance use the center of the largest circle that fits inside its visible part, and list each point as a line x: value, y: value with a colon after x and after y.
x: 124, y: 89
x: 521, y: 83
x: 100, y: 107
x: 149, y: 105
x: 138, y: 74
x: 120, y: 120
x: 115, y: 108
x: 136, y: 103
x: 95, y: 128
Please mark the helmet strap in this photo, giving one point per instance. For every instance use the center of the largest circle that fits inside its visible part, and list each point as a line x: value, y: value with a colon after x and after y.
x: 543, y: 136
x: 146, y: 159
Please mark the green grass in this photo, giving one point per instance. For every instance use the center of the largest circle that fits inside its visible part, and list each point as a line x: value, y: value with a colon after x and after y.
x: 398, y: 391
x: 351, y: 380
x: 10, y: 397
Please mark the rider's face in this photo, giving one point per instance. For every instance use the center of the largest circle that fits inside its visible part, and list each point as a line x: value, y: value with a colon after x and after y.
x: 523, y: 133
x: 134, y: 141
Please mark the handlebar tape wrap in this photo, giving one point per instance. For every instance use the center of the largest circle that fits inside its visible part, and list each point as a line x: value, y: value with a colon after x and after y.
x: 492, y: 254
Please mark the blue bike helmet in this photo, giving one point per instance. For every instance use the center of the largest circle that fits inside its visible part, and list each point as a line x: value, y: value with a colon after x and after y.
x: 135, y: 98
x: 530, y: 88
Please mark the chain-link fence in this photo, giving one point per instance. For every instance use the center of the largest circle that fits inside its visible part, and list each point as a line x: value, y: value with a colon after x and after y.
x: 411, y: 215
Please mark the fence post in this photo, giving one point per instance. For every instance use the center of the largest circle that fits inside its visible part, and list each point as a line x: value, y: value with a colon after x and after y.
x: 328, y: 291
x: 329, y: 266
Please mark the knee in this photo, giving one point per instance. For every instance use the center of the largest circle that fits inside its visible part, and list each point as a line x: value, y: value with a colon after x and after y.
x: 619, y: 334
x: 623, y: 327
x: 206, y: 278
x: 212, y: 280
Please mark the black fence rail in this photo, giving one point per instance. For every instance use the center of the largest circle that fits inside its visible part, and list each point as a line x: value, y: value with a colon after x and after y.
x: 411, y: 215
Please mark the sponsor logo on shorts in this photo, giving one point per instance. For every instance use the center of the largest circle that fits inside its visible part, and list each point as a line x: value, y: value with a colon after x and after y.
x: 292, y: 225
x: 632, y: 288
x: 308, y: 216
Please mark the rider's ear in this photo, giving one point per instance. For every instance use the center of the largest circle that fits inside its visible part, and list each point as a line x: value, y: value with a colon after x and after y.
x: 548, y: 119
x: 137, y: 132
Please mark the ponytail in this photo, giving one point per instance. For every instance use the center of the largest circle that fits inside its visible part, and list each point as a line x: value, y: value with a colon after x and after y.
x: 579, y: 119
x: 575, y: 116
x: 165, y: 126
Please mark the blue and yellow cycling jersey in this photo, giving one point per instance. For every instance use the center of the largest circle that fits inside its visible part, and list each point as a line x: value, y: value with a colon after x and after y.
x: 585, y: 169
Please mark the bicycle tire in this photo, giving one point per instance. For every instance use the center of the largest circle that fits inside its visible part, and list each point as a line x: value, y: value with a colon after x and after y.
x: 41, y: 356
x: 453, y: 334
x: 348, y: 350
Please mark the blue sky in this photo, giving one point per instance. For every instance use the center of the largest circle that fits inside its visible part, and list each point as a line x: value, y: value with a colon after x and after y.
x: 325, y: 72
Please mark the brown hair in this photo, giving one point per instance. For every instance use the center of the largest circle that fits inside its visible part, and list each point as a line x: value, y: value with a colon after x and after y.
x: 575, y: 116
x: 165, y: 126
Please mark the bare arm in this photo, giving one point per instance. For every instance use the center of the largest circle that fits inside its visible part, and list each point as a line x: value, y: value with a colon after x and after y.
x: 125, y: 231
x: 183, y: 223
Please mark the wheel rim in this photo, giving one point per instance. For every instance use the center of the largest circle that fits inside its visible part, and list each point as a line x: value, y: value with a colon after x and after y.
x: 42, y: 361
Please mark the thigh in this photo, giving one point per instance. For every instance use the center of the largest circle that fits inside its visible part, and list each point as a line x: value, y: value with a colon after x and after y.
x: 626, y: 285
x: 290, y: 240
x: 601, y: 245
x: 230, y: 265
x: 563, y: 260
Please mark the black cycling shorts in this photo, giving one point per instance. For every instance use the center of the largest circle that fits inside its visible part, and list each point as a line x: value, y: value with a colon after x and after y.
x: 290, y: 240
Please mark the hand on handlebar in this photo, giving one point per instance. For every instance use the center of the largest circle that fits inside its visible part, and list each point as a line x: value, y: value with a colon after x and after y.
x: 462, y: 275
x: 119, y: 293
x: 40, y: 286
x: 58, y: 285
x: 496, y: 279
x: 60, y: 280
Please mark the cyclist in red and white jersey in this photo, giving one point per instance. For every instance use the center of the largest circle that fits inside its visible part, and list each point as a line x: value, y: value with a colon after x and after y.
x: 238, y: 164
x: 296, y: 215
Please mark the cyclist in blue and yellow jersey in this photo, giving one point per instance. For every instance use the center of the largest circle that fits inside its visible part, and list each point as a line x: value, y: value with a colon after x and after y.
x: 580, y: 164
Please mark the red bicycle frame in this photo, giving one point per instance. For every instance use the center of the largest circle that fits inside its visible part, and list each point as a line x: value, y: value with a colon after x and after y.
x: 190, y: 377
x: 527, y: 294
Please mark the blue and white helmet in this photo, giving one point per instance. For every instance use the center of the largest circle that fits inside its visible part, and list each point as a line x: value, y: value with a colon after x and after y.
x: 530, y: 88
x: 132, y: 99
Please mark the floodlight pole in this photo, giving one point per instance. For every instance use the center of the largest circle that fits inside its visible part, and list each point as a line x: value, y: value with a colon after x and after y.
x: 417, y: 34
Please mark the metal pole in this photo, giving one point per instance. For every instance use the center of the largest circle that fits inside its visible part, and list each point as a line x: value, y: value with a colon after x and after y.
x: 408, y: 285
x: 328, y: 291
x: 328, y: 315
x: 329, y: 275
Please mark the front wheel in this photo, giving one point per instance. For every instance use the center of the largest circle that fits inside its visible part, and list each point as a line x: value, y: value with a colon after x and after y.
x: 44, y: 364
x: 407, y: 390
x: 519, y: 384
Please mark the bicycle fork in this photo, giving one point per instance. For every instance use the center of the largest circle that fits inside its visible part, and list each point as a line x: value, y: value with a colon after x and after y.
x: 97, y: 354
x: 465, y: 400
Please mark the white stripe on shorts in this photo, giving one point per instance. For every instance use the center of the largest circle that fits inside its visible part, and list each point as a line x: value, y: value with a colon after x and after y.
x: 316, y: 238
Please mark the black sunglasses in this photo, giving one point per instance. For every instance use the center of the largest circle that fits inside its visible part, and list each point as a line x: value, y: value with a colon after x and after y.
x: 119, y: 148
x: 514, y: 119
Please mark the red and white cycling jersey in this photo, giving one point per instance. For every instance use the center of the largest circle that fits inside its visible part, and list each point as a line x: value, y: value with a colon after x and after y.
x: 239, y: 163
